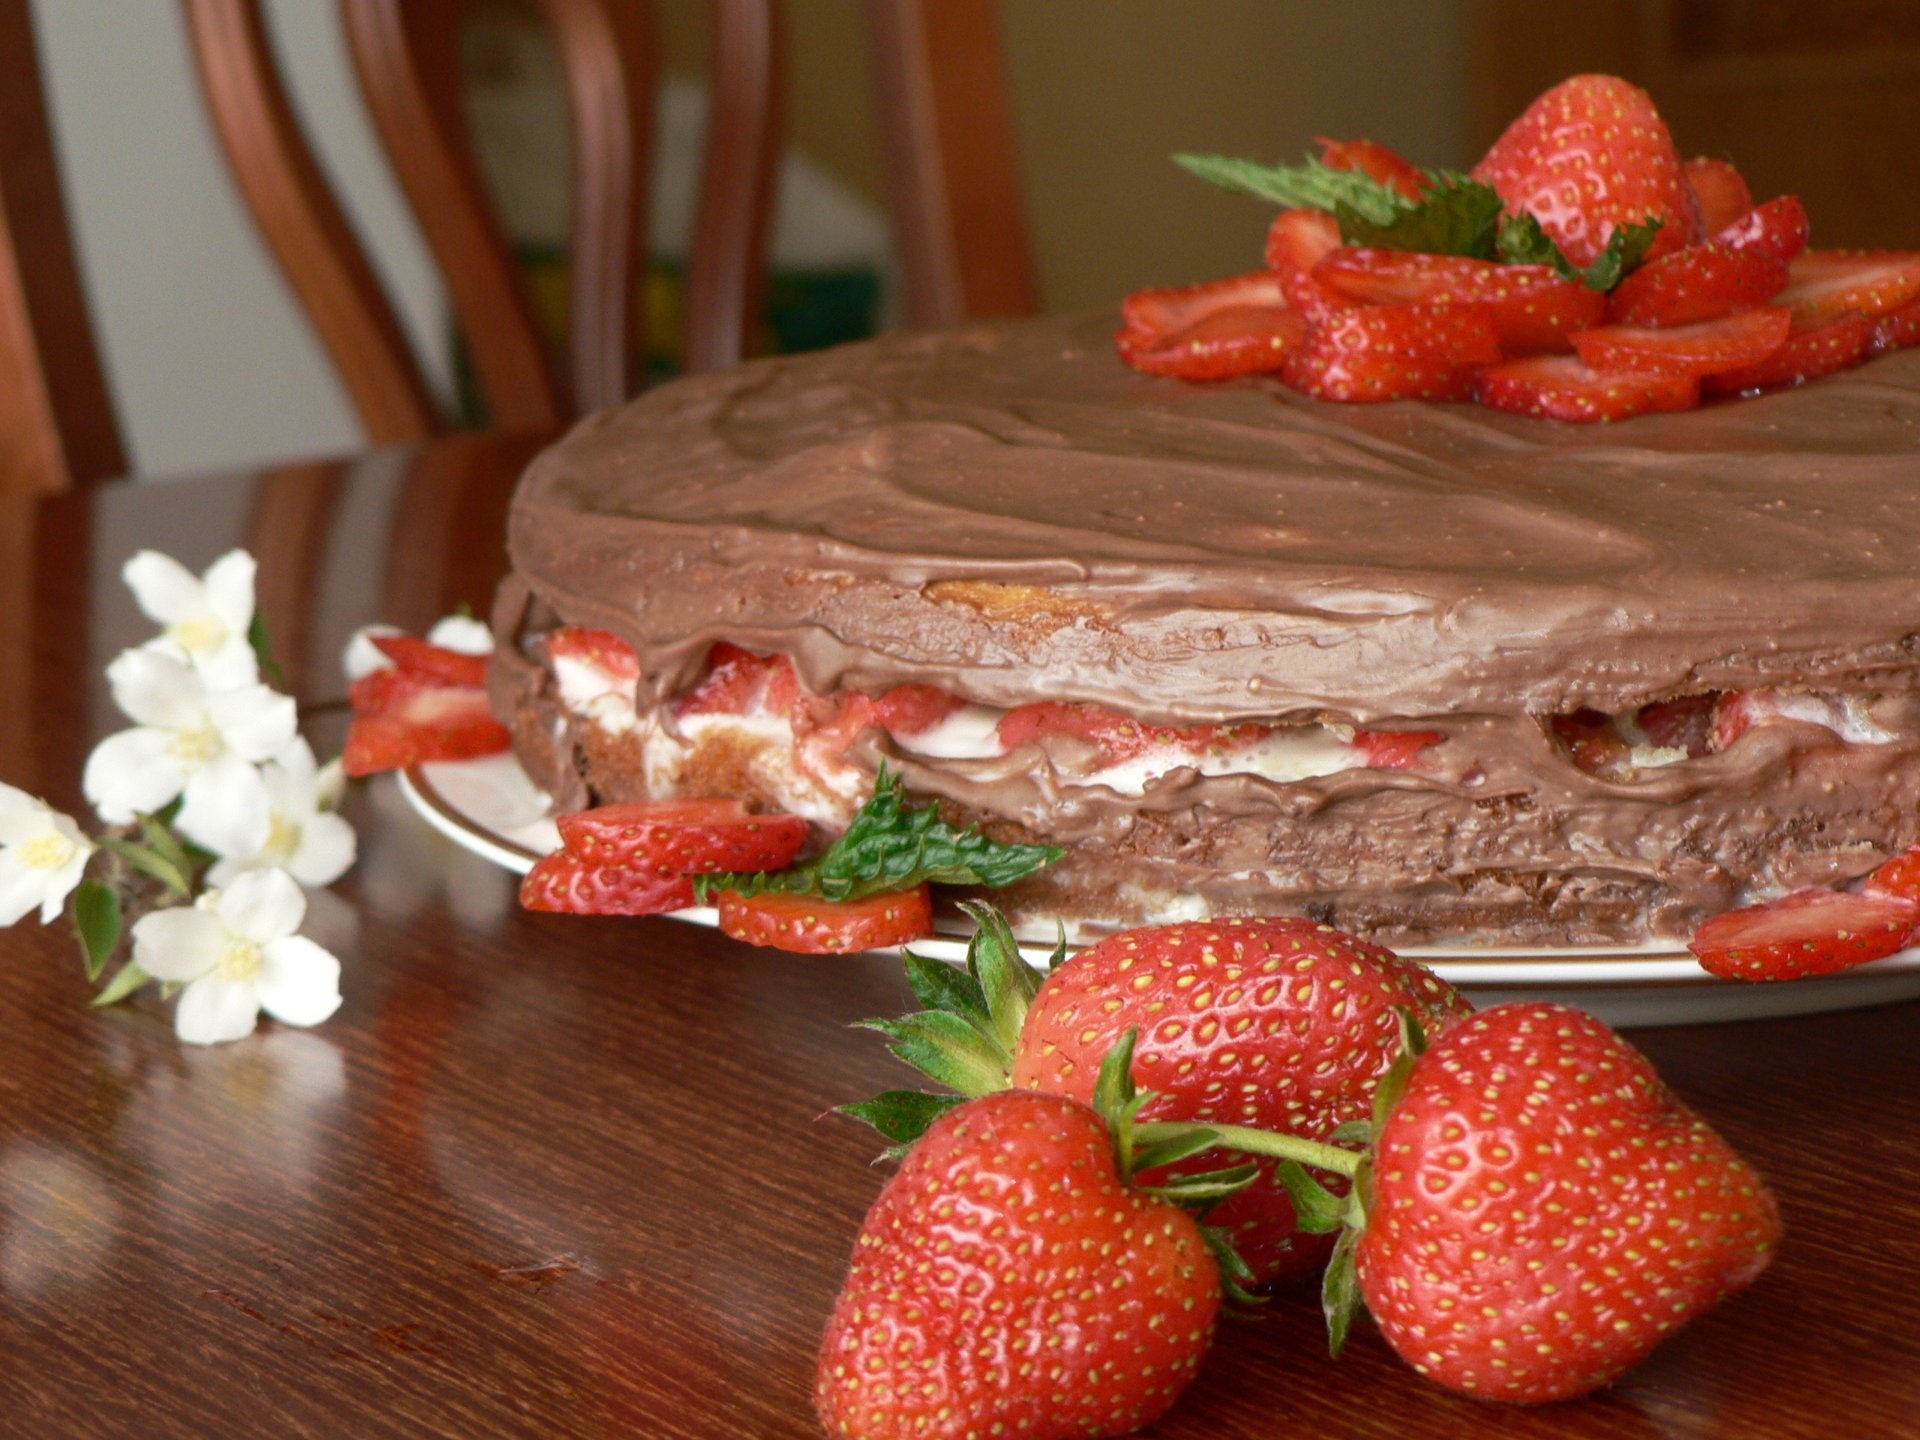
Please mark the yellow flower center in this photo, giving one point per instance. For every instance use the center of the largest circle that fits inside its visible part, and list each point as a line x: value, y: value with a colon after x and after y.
x: 195, y: 747
x: 239, y: 960
x: 283, y: 836
x: 48, y: 850
x: 197, y: 633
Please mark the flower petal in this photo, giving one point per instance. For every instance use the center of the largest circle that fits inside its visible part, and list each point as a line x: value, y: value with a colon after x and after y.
x: 362, y: 657
x: 330, y: 783
x: 463, y: 633
x: 161, y: 690
x: 225, y: 809
x: 299, y: 981
x: 181, y: 943
x: 231, y: 665
x: 255, y: 721
x: 14, y: 801
x: 325, y: 851
x: 21, y: 888
x: 164, y: 589
x: 134, y: 770
x: 262, y: 905
x: 229, y: 590
x: 212, y: 1011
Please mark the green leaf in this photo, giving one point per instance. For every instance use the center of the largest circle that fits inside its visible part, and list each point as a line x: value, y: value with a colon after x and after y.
x: 1522, y: 241
x: 1198, y: 1192
x: 262, y: 644
x: 947, y: 988
x: 1155, y: 1153
x: 891, y: 847
x: 902, y: 1115
x: 128, y: 979
x: 1311, y: 184
x: 1459, y: 216
x: 1354, y: 1132
x: 96, y: 920
x: 149, y: 862
x: 1317, y: 1209
x: 168, y: 846
x: 948, y: 1049
x: 1006, y: 980
x: 1340, y: 1292
x: 1236, y: 1276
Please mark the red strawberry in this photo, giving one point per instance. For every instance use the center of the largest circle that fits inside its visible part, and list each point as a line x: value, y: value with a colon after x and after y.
x: 740, y: 682
x: 1118, y: 737
x: 1008, y: 1282
x: 1276, y: 1023
x: 1682, y: 724
x: 1394, y: 352
x: 1827, y: 284
x: 683, y: 837
x: 1898, y: 877
x: 1233, y: 340
x: 1810, y: 932
x: 1839, y: 344
x: 421, y: 725
x: 1559, y: 387
x: 1589, y: 155
x: 1594, y: 745
x: 571, y: 885
x: 914, y: 709
x: 600, y: 650
x: 1545, y: 1211
x: 433, y: 662
x: 1533, y: 309
x: 1720, y: 191
x: 1701, y: 282
x: 1739, y: 711
x: 1155, y: 316
x: 1899, y: 330
x: 1394, y: 749
x: 1707, y: 347
x: 1778, y: 228
x: 1376, y: 162
x: 1298, y: 241
x: 808, y: 925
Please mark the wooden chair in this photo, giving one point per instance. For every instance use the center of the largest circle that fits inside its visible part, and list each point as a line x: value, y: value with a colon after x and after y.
x: 942, y: 109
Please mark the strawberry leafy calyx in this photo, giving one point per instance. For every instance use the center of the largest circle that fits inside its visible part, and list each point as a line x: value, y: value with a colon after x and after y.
x: 891, y: 846
x: 1455, y: 215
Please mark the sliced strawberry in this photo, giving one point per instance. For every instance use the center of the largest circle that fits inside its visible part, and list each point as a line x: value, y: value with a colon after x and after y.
x: 1898, y: 877
x: 1593, y: 744
x: 914, y: 709
x: 1682, y: 724
x: 573, y: 886
x: 1707, y: 347
x: 1720, y: 191
x: 1900, y: 330
x: 1778, y: 228
x: 812, y: 926
x: 1810, y: 932
x: 683, y: 837
x: 444, y: 722
x: 1298, y: 241
x: 600, y: 650
x: 1589, y: 155
x: 1826, y: 284
x: 1534, y: 310
x: 1118, y: 737
x: 1376, y: 162
x: 1701, y: 282
x: 1235, y: 340
x: 380, y: 690
x: 433, y: 662
x: 1394, y: 352
x: 1560, y: 387
x: 1839, y: 344
x: 1157, y: 315
x: 740, y: 682
x: 1394, y: 749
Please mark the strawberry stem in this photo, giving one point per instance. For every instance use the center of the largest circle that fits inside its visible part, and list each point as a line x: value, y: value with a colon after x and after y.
x: 1310, y: 1153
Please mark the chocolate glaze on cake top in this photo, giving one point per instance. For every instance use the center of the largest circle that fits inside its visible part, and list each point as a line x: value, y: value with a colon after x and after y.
x: 972, y: 507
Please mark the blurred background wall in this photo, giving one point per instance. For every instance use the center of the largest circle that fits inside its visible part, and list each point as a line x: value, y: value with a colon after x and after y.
x: 213, y: 366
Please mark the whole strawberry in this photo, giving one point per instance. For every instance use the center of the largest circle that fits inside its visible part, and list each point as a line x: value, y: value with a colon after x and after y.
x: 1543, y: 1211
x: 1007, y: 1282
x: 1589, y: 155
x: 1276, y: 1023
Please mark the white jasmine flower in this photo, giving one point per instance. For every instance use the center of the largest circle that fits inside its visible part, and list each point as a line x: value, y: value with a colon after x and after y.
x: 304, y: 837
x: 42, y: 854
x: 205, y: 620
x: 190, y: 741
x: 238, y: 953
x: 455, y: 632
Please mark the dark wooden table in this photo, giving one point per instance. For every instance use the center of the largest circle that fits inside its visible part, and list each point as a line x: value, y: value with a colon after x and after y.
x: 546, y: 1176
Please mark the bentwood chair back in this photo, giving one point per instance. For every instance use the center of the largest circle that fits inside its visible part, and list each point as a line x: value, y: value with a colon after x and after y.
x: 942, y: 109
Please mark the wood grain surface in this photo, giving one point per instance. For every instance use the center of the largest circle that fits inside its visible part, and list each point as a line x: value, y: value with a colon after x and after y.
x: 550, y: 1176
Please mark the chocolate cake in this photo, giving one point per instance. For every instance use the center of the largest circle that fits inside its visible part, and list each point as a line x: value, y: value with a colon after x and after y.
x: 1421, y: 670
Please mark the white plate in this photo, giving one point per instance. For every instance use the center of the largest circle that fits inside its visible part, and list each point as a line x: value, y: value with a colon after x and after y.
x: 491, y: 808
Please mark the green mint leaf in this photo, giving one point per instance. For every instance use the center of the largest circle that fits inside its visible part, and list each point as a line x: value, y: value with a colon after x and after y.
x: 902, y: 1115
x: 1522, y: 241
x: 1459, y: 216
x: 129, y: 978
x: 96, y: 920
x: 891, y: 847
x: 1313, y: 185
